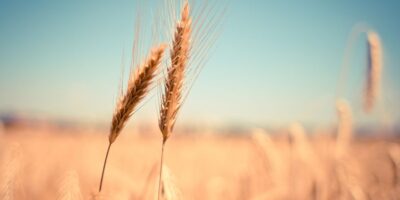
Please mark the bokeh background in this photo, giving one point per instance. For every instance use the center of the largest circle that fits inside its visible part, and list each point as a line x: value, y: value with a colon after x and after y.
x: 274, y: 63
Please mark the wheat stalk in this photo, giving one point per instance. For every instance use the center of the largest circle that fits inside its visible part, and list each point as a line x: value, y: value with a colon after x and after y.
x: 267, y: 148
x: 138, y: 87
x: 169, y: 189
x: 69, y: 187
x: 393, y: 152
x: 172, y: 97
x: 300, y: 140
x: 374, y: 70
x: 264, y: 142
x: 271, y: 155
x: 344, y: 132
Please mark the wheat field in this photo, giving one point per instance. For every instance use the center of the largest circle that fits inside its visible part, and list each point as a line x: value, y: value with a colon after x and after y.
x: 67, y: 165
x: 349, y: 159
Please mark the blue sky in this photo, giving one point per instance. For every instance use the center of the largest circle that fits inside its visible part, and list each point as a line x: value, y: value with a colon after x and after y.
x: 275, y: 62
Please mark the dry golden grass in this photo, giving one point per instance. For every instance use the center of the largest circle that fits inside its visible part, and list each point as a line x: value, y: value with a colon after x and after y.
x: 230, y: 167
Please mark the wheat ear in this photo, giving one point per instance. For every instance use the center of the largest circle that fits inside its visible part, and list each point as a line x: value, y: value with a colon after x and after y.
x: 374, y: 70
x: 138, y: 87
x: 172, y: 97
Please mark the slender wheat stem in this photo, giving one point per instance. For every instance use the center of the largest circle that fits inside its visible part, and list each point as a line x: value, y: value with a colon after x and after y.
x: 168, y: 189
x: 344, y: 132
x: 104, y: 167
x: 161, y: 167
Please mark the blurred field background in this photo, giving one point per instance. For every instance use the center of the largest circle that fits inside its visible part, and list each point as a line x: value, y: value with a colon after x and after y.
x: 260, y: 122
x: 47, y: 164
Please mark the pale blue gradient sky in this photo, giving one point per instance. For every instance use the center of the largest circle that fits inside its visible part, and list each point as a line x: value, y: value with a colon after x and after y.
x: 275, y: 62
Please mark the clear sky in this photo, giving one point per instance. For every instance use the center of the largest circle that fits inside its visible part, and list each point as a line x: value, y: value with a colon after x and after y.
x: 275, y: 61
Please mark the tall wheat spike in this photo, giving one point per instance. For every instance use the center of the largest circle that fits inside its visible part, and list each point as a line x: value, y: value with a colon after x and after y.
x: 306, y: 153
x: 172, y: 97
x: 138, y: 87
x: 374, y: 70
x: 268, y: 148
x: 264, y: 142
x: 190, y: 47
x: 300, y: 141
x: 171, y: 100
x: 344, y: 131
x: 273, y: 157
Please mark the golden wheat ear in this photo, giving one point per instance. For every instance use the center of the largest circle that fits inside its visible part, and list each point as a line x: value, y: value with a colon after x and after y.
x: 171, y: 99
x: 190, y: 43
x: 172, y: 96
x: 374, y: 70
x: 138, y: 87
